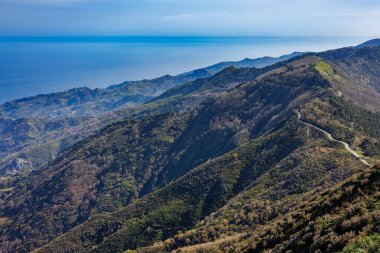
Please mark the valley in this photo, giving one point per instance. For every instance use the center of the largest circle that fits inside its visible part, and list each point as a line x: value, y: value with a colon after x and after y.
x: 267, y: 155
x: 56, y: 121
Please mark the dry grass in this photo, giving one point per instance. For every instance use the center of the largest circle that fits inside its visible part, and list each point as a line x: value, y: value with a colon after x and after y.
x: 6, y: 189
x: 212, y: 246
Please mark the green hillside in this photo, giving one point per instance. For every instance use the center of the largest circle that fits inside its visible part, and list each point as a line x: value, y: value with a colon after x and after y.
x: 236, y: 162
x: 63, y: 118
x: 343, y: 218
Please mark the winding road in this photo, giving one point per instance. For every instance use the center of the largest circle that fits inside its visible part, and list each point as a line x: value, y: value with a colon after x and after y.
x: 330, y: 137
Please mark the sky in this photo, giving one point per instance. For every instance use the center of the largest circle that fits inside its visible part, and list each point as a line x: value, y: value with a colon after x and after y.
x: 190, y: 17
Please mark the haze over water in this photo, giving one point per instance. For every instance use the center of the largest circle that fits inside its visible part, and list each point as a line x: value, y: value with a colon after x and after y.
x: 31, y: 66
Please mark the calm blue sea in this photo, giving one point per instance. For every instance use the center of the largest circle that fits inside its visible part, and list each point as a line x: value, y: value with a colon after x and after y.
x: 34, y: 65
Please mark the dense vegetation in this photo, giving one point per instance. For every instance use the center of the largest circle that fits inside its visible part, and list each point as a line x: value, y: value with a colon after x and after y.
x: 348, y: 122
x: 48, y: 124
x: 343, y: 218
x: 208, y: 187
x: 328, y: 222
x: 183, y: 202
x: 274, y: 194
x: 217, y: 164
x: 130, y: 159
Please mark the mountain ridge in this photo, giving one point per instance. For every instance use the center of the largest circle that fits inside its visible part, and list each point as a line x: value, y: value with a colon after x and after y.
x: 282, y: 89
x: 214, y: 173
x: 144, y: 89
x: 55, y: 119
x: 370, y: 43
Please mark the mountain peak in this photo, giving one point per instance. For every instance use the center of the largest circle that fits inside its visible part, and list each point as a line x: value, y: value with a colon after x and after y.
x: 370, y: 43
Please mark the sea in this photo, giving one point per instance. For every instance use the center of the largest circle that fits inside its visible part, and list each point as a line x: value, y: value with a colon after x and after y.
x: 38, y: 65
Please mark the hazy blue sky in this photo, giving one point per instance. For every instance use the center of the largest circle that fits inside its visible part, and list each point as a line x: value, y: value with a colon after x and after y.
x: 190, y: 17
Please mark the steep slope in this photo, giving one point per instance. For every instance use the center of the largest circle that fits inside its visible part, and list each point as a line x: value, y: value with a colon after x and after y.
x: 275, y: 185
x: 342, y: 218
x: 206, y: 189
x: 355, y: 75
x: 244, y: 113
x: 130, y: 159
x: 361, y: 67
x: 39, y: 135
x: 143, y: 180
x: 314, y: 165
x: 274, y: 195
x: 329, y: 221
x: 55, y: 121
x: 222, y: 81
x: 192, y: 94
x: 180, y: 203
x: 233, y: 73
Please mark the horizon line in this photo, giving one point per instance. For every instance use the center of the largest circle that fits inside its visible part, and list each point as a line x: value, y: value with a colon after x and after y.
x: 163, y: 38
